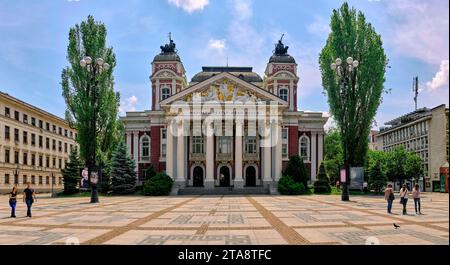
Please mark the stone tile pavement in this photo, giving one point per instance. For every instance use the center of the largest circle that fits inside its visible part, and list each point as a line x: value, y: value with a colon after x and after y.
x: 225, y: 220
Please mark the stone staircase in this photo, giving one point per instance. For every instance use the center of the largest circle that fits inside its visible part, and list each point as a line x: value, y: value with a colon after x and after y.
x: 223, y: 191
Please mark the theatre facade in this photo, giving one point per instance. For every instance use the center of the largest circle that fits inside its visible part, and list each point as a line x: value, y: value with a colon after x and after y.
x: 227, y: 127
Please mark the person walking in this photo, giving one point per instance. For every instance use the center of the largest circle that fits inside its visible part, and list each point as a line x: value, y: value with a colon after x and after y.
x: 389, y: 197
x: 13, y: 201
x: 29, y: 197
x: 404, y: 197
x: 416, y: 197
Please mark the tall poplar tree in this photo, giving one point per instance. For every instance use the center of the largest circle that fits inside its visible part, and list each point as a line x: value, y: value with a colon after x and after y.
x: 354, y: 106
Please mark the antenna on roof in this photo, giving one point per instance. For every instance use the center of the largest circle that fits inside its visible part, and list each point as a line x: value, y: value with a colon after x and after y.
x: 227, y: 61
x: 415, y: 90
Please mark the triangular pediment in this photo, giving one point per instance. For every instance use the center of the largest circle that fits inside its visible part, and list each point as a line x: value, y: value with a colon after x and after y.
x: 223, y: 87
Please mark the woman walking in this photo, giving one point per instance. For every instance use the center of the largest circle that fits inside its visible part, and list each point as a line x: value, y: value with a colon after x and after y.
x: 416, y: 196
x: 13, y: 201
x: 404, y: 197
x: 389, y: 197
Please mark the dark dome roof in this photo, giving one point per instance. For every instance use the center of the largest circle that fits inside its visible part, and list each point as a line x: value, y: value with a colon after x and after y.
x: 167, y: 57
x: 245, y: 73
x: 281, y: 59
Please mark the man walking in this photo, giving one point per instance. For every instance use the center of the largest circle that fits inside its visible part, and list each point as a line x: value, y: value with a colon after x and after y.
x: 29, y: 197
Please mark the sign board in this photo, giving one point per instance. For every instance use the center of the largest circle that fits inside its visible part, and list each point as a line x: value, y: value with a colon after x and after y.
x: 84, y: 183
x: 343, y: 180
x: 357, y: 178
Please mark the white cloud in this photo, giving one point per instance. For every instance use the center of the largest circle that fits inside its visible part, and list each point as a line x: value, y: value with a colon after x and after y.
x: 319, y: 27
x: 331, y: 123
x: 217, y: 45
x: 440, y: 80
x: 190, y: 5
x: 128, y: 104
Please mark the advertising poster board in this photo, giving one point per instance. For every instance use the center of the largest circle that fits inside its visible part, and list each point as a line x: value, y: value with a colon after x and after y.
x: 357, y: 178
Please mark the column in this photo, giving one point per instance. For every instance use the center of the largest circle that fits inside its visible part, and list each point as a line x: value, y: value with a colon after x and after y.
x: 238, y: 180
x: 136, y: 149
x: 169, y: 150
x: 319, y: 149
x: 313, y: 156
x: 209, y: 181
x: 278, y: 150
x: 267, y: 177
x: 157, y: 96
x: 180, y: 179
x: 291, y: 95
x: 128, y: 135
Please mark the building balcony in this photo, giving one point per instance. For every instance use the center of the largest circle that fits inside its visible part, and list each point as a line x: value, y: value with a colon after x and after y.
x: 224, y: 156
x: 197, y: 156
x: 251, y: 156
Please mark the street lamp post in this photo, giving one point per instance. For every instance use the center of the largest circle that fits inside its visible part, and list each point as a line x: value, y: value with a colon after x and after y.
x: 94, y: 69
x: 16, y: 174
x: 53, y: 180
x: 347, y: 76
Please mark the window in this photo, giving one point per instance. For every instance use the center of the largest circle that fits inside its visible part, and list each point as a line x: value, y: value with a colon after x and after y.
x: 25, y: 179
x: 47, y: 143
x: 40, y: 141
x: 54, y: 144
x: 6, y: 155
x: 60, y: 146
x: 25, y: 159
x: 47, y: 126
x: 54, y: 128
x: 6, y: 178
x: 25, y: 137
x: 284, y: 93
x: 53, y: 180
x: 7, y: 132
x: 16, y: 157
x: 284, y: 143
x: 40, y: 180
x: 163, y: 142
x: 33, y: 121
x: 7, y: 114
x: 16, y: 179
x: 65, y: 132
x: 60, y: 130
x: 25, y: 118
x: 65, y: 147
x: 197, y: 145
x: 33, y: 159
x: 33, y: 179
x: 250, y: 145
x: 165, y: 92
x: 59, y: 180
x: 60, y: 163
x: 47, y: 180
x: 41, y: 161
x: 145, y: 147
x: 16, y: 115
x: 71, y: 134
x: 33, y: 139
x: 224, y: 145
x: 47, y: 161
x: 16, y: 135
x: 41, y: 124
x: 304, y: 147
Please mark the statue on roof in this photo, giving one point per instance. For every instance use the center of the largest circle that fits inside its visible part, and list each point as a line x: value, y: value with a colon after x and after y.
x: 280, y: 49
x: 170, y: 47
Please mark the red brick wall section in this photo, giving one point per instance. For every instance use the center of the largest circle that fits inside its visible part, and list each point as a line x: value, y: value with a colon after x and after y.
x: 293, y: 140
x: 155, y: 148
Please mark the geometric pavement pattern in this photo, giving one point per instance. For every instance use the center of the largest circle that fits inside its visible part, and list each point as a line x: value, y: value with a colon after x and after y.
x: 225, y: 220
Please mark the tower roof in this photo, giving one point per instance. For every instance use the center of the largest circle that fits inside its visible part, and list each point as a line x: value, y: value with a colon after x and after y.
x: 245, y: 73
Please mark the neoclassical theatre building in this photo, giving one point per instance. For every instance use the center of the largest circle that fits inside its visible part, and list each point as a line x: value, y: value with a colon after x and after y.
x: 227, y: 127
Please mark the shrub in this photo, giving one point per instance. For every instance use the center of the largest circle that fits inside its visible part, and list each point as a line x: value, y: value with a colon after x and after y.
x: 159, y: 185
x: 288, y: 186
x: 322, y: 184
x: 296, y: 168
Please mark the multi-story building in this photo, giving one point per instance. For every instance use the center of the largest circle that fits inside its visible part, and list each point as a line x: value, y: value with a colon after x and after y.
x: 373, y: 140
x: 237, y: 157
x: 424, y: 132
x: 34, y: 145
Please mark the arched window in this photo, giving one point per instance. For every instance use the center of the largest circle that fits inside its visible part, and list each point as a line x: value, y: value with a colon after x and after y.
x: 145, y: 147
x: 284, y: 93
x: 304, y: 147
x: 165, y: 92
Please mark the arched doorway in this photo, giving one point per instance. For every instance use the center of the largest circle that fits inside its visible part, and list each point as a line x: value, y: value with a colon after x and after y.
x: 250, y: 176
x: 197, y: 177
x: 224, y: 176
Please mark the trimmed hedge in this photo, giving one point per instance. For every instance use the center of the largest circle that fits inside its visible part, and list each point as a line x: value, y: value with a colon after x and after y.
x: 288, y: 186
x: 159, y: 185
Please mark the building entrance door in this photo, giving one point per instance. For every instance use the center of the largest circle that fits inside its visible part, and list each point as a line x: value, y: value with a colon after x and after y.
x: 250, y: 176
x: 224, y: 176
x: 198, y: 177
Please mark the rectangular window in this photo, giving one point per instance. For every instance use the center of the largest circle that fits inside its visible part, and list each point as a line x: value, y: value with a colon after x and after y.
x: 163, y: 142
x: 16, y: 135
x: 25, y: 158
x: 40, y: 180
x: 7, y: 114
x: 16, y: 157
x: 7, y: 132
x: 25, y: 137
x: 16, y: 179
x: 47, y: 180
x: 65, y: 147
x: 6, y: 178
x: 53, y: 180
x: 197, y: 145
x: 65, y: 132
x: 47, y: 143
x: 47, y: 126
x: 25, y: 179
x: 41, y: 124
x: 54, y: 144
x: 33, y: 179
x: 41, y: 144
x: 33, y: 121
x: 6, y: 156
x: 54, y: 162
x: 41, y: 162
x: 16, y: 115
x: 60, y: 146
x: 250, y: 145
x: 25, y: 118
x: 47, y: 161
x: 33, y: 139
x: 54, y: 128
x: 33, y: 159
x: 224, y: 145
x: 60, y: 163
x: 60, y: 130
x: 284, y: 142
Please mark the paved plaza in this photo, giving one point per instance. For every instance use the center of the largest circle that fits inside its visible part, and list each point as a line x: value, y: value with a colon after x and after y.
x: 225, y: 220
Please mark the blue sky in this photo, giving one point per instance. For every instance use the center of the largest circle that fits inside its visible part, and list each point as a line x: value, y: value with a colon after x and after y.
x: 34, y: 37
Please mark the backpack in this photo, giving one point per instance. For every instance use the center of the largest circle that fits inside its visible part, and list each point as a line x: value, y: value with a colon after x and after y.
x: 391, y: 196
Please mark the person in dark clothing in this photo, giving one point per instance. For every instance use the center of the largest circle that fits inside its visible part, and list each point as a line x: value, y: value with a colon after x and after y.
x: 29, y: 197
x: 13, y: 201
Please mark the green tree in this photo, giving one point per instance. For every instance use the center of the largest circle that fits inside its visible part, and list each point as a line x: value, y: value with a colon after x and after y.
x: 92, y: 104
x: 413, y: 166
x: 297, y: 170
x: 123, y: 176
x: 333, y: 154
x: 71, y: 173
x: 373, y: 157
x: 322, y: 184
x: 395, y: 166
x: 377, y: 177
x: 353, y: 104
x: 150, y: 173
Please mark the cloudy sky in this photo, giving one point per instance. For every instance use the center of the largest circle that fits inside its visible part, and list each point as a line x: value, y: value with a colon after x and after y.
x: 34, y: 37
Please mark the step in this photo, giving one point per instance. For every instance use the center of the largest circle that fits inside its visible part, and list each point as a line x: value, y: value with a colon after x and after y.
x: 222, y: 191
